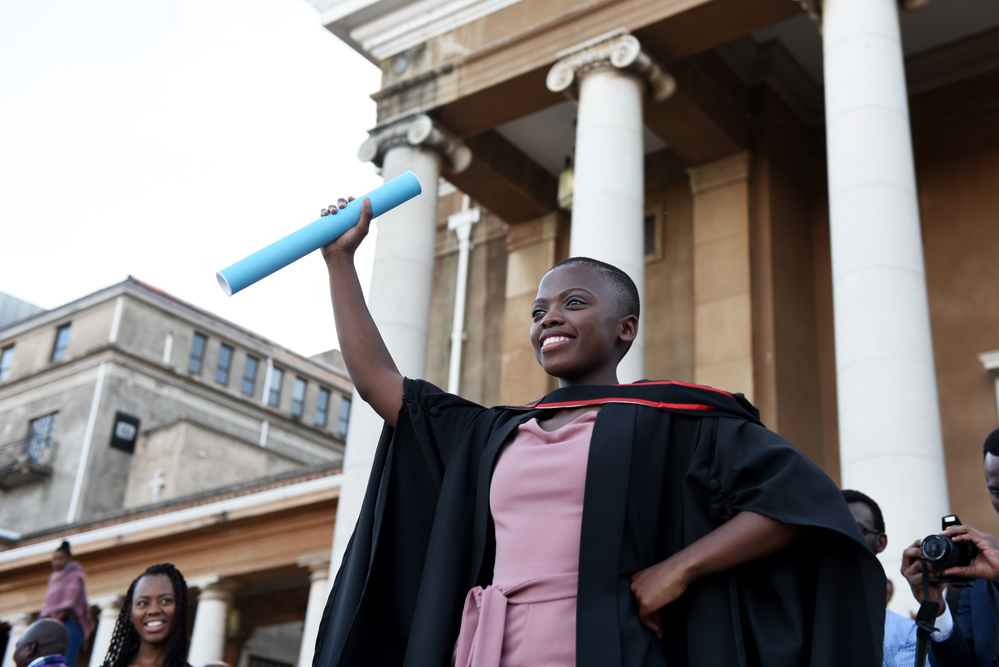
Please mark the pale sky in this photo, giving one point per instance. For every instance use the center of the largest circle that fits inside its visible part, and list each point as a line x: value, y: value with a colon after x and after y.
x: 167, y: 140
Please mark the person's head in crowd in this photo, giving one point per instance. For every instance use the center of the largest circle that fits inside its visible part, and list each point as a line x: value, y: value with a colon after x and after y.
x: 868, y: 516
x: 990, y: 454
x: 42, y: 639
x: 891, y: 590
x: 153, y: 620
x: 61, y: 556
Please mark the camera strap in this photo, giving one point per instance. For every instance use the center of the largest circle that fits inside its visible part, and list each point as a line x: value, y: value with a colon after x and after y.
x: 926, y: 617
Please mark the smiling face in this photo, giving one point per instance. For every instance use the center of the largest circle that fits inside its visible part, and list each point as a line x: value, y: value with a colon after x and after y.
x: 153, y: 608
x: 578, y: 332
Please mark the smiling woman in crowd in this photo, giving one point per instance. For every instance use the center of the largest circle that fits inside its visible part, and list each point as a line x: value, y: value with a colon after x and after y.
x: 152, y: 627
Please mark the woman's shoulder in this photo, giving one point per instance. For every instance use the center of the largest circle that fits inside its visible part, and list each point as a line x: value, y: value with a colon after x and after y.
x: 431, y: 397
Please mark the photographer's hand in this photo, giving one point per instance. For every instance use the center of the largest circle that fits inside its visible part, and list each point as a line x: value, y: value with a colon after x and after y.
x: 986, y: 563
x: 912, y: 570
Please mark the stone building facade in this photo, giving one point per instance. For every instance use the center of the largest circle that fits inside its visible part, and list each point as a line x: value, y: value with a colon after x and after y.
x: 804, y: 191
x: 129, y: 416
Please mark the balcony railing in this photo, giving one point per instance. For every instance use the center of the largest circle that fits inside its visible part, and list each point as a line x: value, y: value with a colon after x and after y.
x: 26, y: 460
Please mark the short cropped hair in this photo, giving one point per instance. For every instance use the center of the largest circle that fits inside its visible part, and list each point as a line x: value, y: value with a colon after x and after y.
x: 991, y: 445
x: 624, y: 286
x: 851, y: 496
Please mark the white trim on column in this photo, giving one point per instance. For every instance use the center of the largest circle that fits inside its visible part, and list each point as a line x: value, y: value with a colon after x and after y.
x: 991, y: 362
x: 119, y: 532
x: 88, y: 437
x: 116, y: 322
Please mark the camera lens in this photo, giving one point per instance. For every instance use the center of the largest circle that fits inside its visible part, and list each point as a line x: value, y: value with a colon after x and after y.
x: 935, y: 548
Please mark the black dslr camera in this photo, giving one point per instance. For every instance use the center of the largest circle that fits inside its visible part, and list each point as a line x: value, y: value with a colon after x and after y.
x: 942, y: 552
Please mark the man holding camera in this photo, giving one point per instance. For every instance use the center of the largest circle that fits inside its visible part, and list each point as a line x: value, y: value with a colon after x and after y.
x: 973, y: 642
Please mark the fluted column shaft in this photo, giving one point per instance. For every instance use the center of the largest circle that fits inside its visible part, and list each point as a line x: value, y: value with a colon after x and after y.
x: 889, y: 420
x: 318, y: 590
x: 610, y: 75
x: 110, y: 609
x: 211, y: 624
x: 18, y: 624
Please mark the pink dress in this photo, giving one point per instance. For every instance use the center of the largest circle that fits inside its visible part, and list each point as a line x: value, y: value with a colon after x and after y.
x: 527, y: 616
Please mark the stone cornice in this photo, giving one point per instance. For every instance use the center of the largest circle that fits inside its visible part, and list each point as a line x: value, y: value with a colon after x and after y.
x: 618, y: 49
x: 814, y: 7
x: 415, y: 129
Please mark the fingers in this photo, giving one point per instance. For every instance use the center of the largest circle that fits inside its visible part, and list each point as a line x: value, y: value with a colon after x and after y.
x: 910, y: 555
x: 332, y: 209
x: 651, y: 620
x: 366, y: 216
x: 963, y: 571
x: 656, y: 624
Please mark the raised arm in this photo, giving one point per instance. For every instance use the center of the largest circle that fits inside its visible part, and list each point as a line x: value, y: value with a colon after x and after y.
x: 368, y: 361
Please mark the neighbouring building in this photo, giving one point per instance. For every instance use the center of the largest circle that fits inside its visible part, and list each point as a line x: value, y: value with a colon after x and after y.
x: 143, y: 429
x: 806, y: 193
x: 13, y: 309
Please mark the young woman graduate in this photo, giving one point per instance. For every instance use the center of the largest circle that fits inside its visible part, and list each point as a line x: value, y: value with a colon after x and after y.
x: 639, y: 525
x: 151, y: 630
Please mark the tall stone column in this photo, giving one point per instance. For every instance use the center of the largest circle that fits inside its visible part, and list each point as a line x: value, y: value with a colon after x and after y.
x: 211, y: 623
x: 723, y: 320
x: 889, y: 420
x: 19, y: 622
x: 401, y: 285
x: 319, y: 566
x: 611, y: 74
x: 110, y: 607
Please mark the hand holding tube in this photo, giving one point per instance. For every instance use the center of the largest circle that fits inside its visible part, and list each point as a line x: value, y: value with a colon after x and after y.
x: 346, y: 245
x: 315, y: 235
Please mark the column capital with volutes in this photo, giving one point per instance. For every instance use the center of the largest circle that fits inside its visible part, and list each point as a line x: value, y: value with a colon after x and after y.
x: 415, y: 129
x: 814, y: 7
x: 618, y: 49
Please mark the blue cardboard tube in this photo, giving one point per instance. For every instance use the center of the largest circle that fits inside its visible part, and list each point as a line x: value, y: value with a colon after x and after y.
x: 315, y: 235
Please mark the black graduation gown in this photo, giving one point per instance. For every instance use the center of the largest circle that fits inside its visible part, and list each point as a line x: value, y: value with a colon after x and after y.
x: 668, y: 463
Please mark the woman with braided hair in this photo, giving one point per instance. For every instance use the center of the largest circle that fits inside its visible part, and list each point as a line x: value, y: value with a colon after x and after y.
x: 152, y: 627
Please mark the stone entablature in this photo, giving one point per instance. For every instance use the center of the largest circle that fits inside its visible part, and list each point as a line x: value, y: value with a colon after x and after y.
x: 619, y: 49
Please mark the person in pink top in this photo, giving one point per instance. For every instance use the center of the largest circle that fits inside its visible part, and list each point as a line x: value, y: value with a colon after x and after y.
x: 638, y: 525
x: 66, y: 600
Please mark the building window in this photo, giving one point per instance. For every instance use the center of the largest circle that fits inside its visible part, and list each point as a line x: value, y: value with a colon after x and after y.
x: 322, y: 406
x: 41, y: 436
x: 341, y: 424
x: 274, y: 397
x: 250, y: 375
x: 197, y: 354
x: 62, y: 340
x: 225, y: 361
x: 6, y: 359
x: 298, y: 397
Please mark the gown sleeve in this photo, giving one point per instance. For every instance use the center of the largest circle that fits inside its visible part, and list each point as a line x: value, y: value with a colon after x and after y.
x: 820, y: 601
x: 436, y: 421
x: 370, y: 611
